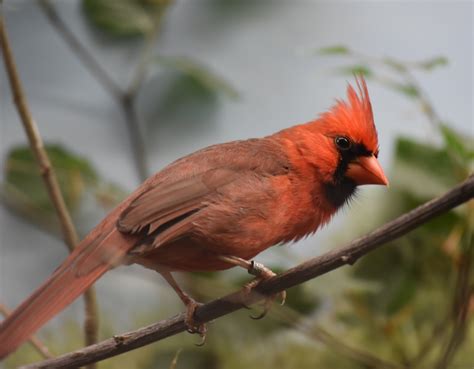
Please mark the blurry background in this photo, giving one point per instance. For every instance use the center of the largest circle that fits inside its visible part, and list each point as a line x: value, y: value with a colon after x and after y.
x: 211, y: 71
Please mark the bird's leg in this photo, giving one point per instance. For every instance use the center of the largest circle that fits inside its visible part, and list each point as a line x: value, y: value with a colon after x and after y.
x: 191, y: 306
x: 261, y: 273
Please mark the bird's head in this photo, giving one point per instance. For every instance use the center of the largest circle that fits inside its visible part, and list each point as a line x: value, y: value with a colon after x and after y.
x: 342, y: 144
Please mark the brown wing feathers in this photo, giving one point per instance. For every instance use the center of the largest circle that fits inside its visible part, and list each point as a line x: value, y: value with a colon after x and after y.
x: 166, y: 202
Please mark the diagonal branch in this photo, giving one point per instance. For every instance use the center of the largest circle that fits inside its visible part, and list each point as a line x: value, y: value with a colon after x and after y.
x: 36, y: 142
x: 292, y: 277
x: 48, y: 174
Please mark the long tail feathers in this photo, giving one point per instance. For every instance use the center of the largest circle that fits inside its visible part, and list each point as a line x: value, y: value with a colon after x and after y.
x: 79, y: 271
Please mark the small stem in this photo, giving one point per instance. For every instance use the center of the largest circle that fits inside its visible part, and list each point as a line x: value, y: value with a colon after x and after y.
x: 142, y: 66
x: 81, y: 52
x: 316, y: 333
x: 125, y: 99
x: 36, y: 142
x: 48, y: 174
x: 428, y: 107
x: 128, y: 103
x: 462, y: 298
x: 91, y: 322
x: 35, y: 342
x: 136, y: 138
x: 437, y: 334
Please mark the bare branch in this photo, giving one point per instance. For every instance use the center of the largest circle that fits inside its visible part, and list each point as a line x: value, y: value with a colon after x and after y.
x: 80, y: 51
x: 126, y: 99
x: 144, y: 61
x: 36, y: 142
x: 136, y: 138
x: 35, y: 342
x: 294, y: 276
x: 47, y: 172
x: 462, y: 298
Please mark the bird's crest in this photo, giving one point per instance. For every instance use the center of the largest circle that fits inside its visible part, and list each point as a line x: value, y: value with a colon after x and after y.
x: 354, y: 116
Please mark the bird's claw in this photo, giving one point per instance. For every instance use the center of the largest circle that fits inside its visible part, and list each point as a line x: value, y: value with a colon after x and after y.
x: 191, y: 325
x: 262, y: 273
x: 268, y: 302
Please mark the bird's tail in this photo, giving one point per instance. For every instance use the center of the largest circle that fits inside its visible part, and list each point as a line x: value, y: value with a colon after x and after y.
x: 90, y: 260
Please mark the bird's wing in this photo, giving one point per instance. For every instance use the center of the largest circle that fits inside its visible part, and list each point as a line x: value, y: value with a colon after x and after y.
x: 170, y: 205
x: 167, y: 209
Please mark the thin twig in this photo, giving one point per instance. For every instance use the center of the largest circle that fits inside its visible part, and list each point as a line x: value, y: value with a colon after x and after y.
x: 317, y: 333
x: 47, y: 172
x: 80, y: 50
x: 136, y: 138
x: 36, y: 142
x: 292, y: 277
x: 174, y: 362
x: 144, y: 60
x: 462, y: 298
x: 128, y: 101
x: 39, y: 346
x: 124, y: 98
x: 427, y: 106
x: 436, y: 335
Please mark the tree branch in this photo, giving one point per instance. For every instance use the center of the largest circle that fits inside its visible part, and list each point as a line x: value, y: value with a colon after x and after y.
x: 462, y: 298
x: 126, y: 99
x: 79, y: 49
x: 294, y: 276
x: 47, y: 172
x: 36, y: 142
x: 136, y: 138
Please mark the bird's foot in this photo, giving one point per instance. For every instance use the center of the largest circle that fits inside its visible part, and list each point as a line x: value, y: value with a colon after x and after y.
x: 262, y: 273
x: 192, y: 326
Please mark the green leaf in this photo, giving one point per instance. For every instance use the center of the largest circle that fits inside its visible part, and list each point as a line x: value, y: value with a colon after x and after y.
x: 200, y: 73
x: 403, y: 292
x: 334, y: 50
x: 395, y: 64
x: 423, y: 156
x: 407, y: 89
x: 73, y: 174
x: 430, y: 64
x: 358, y: 69
x: 422, y: 169
x: 124, y: 18
x: 456, y: 143
x: 24, y: 192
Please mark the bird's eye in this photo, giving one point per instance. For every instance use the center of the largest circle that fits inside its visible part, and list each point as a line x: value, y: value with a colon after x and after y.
x: 343, y: 143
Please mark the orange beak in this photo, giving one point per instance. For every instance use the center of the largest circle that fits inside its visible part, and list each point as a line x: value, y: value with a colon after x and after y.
x: 367, y: 170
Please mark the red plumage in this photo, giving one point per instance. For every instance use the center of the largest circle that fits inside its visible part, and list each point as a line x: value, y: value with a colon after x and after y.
x: 234, y: 199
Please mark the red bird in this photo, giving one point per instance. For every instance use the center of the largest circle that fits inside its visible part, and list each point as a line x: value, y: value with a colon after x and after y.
x: 219, y: 207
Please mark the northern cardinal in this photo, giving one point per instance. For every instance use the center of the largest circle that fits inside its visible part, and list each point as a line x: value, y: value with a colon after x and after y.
x: 218, y: 208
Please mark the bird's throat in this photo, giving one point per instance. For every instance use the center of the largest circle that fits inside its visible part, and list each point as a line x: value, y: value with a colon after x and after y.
x: 340, y: 192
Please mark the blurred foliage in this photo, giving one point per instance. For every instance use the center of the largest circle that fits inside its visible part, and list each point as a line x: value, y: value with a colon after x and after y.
x: 125, y: 18
x: 24, y: 193
x: 193, y: 87
x: 201, y: 74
